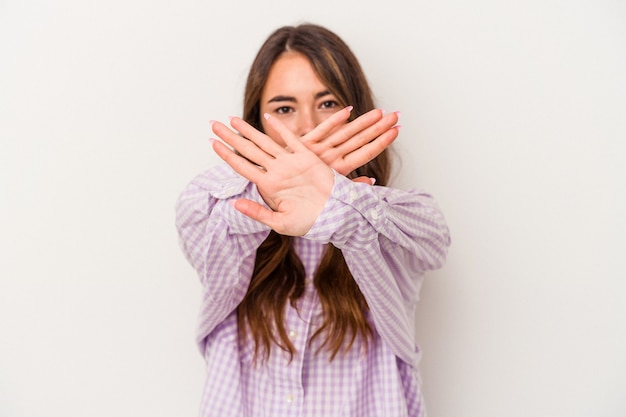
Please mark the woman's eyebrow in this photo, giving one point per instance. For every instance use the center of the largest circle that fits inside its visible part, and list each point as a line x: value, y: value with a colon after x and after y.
x: 293, y: 99
x: 282, y: 98
x: 322, y: 94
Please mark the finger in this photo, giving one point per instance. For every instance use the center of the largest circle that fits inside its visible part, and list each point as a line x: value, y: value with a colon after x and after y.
x: 369, y: 151
x: 347, y: 131
x: 291, y: 140
x: 376, y: 138
x: 365, y: 180
x: 245, y: 147
x: 363, y: 130
x: 260, y: 213
x: 259, y: 138
x: 322, y: 130
x: 253, y: 210
x: 241, y: 165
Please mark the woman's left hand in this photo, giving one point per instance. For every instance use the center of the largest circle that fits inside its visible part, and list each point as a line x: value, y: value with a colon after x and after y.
x: 347, y: 146
x: 294, y: 182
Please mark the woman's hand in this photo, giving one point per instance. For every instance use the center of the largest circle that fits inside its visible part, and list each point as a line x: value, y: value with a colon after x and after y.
x: 347, y: 146
x: 294, y: 182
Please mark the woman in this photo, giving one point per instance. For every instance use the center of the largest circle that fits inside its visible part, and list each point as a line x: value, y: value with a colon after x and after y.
x: 310, y: 272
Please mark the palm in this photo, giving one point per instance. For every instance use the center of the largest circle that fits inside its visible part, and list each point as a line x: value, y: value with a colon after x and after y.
x: 293, y: 181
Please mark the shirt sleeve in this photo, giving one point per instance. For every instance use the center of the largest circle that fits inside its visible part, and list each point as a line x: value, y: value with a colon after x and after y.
x: 218, y: 241
x: 389, y: 239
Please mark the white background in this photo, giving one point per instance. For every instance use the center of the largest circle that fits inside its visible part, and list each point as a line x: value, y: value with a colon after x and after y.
x: 513, y: 117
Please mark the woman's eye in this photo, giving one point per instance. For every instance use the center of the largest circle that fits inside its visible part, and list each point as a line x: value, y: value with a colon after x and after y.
x: 283, y: 110
x: 329, y: 104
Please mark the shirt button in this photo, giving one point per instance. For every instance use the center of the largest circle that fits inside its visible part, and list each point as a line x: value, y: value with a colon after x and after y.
x: 289, y: 398
x: 374, y: 214
x: 353, y: 195
x: 292, y: 335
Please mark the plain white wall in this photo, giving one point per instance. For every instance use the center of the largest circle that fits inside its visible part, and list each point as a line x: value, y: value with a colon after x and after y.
x: 513, y: 117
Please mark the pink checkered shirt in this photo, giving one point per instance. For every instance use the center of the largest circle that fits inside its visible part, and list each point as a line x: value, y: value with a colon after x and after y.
x: 389, y: 239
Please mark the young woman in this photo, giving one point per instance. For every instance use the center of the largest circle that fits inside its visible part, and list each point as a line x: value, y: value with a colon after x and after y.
x: 310, y: 272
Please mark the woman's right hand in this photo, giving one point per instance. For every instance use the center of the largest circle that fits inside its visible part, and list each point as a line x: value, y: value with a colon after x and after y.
x: 347, y: 146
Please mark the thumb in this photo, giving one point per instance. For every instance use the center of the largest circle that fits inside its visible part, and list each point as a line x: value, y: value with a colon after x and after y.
x: 365, y: 180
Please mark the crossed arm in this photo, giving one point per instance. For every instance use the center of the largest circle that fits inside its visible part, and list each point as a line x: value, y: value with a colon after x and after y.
x: 296, y: 181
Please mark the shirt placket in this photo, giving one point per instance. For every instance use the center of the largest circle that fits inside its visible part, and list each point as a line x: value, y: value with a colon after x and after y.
x: 290, y: 389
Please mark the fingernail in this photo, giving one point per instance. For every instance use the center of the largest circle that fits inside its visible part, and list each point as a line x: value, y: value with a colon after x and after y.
x: 350, y: 108
x: 373, y: 180
x: 211, y: 141
x: 266, y: 115
x: 399, y: 127
x: 399, y: 113
x: 211, y: 122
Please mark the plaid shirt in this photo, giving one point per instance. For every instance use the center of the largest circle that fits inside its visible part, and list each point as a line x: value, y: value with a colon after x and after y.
x: 389, y: 239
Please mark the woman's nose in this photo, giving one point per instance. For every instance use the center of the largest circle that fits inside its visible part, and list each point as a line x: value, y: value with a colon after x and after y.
x: 306, y: 123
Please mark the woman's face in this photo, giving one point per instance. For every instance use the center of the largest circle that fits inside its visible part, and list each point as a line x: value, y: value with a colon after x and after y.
x: 294, y: 94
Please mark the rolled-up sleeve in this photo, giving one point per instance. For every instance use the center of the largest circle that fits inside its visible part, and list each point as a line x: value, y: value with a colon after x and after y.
x: 389, y: 239
x: 218, y: 241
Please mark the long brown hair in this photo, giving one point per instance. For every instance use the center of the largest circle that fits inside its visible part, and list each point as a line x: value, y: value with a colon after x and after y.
x: 279, y: 275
